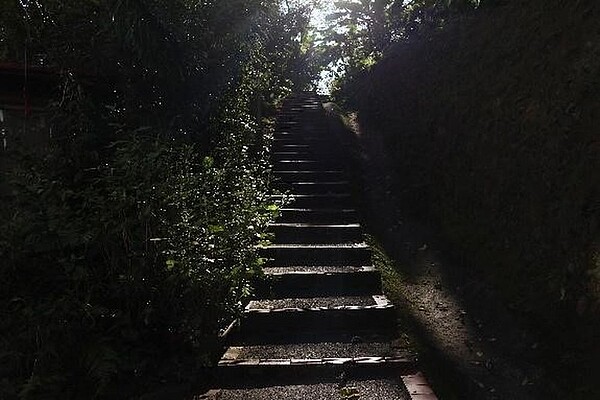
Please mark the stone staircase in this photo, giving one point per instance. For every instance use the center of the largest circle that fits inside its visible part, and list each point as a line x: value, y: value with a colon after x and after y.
x: 321, y: 327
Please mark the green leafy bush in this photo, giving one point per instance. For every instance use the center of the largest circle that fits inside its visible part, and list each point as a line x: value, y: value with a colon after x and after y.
x: 125, y: 272
x: 129, y: 241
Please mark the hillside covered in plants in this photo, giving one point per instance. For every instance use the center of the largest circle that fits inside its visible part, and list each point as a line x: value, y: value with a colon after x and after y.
x: 487, y: 115
x: 129, y: 222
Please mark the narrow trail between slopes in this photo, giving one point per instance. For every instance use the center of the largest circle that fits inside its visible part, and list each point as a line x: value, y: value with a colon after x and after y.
x: 321, y: 327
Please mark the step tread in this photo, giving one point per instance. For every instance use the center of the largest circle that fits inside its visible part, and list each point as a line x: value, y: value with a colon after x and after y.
x: 359, y: 348
x: 358, y: 245
x: 301, y: 225
x: 310, y: 195
x: 372, y: 389
x: 323, y: 183
x: 321, y: 210
x: 304, y: 172
x: 326, y: 269
x: 319, y: 303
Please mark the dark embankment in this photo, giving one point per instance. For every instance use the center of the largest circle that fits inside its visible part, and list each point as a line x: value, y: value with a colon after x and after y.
x: 491, y: 127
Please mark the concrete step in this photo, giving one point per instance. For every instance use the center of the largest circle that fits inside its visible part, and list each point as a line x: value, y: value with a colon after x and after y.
x: 317, y: 388
x: 359, y: 348
x: 316, y: 254
x: 309, y: 176
x: 305, y: 133
x: 317, y: 314
x: 328, y: 200
x: 295, y: 147
x: 307, y: 165
x: 289, y: 361
x: 313, y: 187
x: 316, y: 233
x: 321, y: 141
x: 322, y: 154
x: 318, y: 215
x: 299, y: 281
x: 306, y: 148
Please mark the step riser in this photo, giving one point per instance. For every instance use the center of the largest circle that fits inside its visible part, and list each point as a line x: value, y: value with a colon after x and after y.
x: 322, y: 202
x: 284, y: 234
x: 305, y: 134
x: 327, y: 320
x: 314, y: 146
x: 238, y: 376
x: 308, y: 176
x: 321, y: 285
x: 316, y: 256
x: 337, y: 217
x: 313, y: 188
x: 307, y: 155
x: 321, y: 143
x: 307, y: 165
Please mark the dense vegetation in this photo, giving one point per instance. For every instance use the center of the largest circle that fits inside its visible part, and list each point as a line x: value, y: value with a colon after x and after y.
x: 360, y: 32
x: 488, y: 116
x: 129, y: 241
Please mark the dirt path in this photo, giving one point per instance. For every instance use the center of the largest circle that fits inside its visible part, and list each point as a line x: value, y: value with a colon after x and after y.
x: 469, y: 343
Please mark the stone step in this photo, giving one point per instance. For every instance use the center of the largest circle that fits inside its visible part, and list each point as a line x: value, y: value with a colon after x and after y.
x: 314, y: 154
x: 299, y: 281
x: 316, y: 233
x: 358, y: 348
x: 296, y: 147
x: 307, y: 165
x: 285, y: 338
x: 319, y: 388
x: 316, y: 254
x: 309, y: 176
x: 313, y: 187
x: 321, y: 141
x: 306, y: 133
x: 290, y: 361
x: 329, y: 200
x: 317, y: 314
x: 298, y: 150
x: 303, y: 106
x: 318, y: 215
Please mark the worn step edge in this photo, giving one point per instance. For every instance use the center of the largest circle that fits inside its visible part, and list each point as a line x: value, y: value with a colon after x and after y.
x: 318, y: 319
x: 308, y: 184
x: 305, y: 154
x: 273, y: 338
x: 380, y: 302
x: 317, y: 255
x: 301, y: 225
x: 417, y: 387
x: 315, y: 167
x: 331, y: 215
x: 412, y: 383
x: 307, y: 174
x: 316, y: 233
x: 326, y: 196
x: 250, y: 373
x: 314, y: 284
x: 322, y: 270
x: 359, y: 245
x: 393, y: 361
x: 355, y: 349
